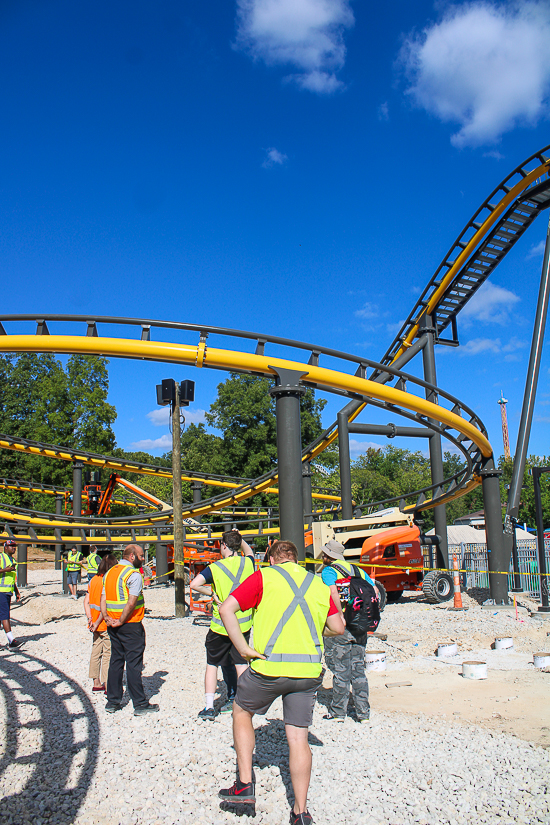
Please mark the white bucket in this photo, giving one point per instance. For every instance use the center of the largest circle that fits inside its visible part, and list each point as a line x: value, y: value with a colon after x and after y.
x: 474, y: 670
x: 504, y: 643
x: 375, y: 660
x: 447, y: 649
x: 541, y: 659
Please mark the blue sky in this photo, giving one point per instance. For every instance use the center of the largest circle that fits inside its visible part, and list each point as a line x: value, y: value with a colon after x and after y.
x: 293, y: 167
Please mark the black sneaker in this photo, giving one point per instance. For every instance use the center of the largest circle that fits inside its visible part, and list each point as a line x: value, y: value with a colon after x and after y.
x: 111, y: 708
x: 304, y: 818
x: 141, y: 710
x: 238, y: 792
x: 334, y: 718
x: 15, y: 644
x: 207, y: 713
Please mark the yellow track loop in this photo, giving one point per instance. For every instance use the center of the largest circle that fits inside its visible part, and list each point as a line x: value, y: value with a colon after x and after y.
x: 506, y: 201
x: 228, y: 360
x: 231, y: 360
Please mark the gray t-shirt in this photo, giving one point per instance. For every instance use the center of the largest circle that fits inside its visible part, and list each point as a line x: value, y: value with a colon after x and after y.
x: 135, y: 581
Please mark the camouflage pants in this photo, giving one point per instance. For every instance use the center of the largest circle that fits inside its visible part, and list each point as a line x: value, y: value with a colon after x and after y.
x: 346, y: 659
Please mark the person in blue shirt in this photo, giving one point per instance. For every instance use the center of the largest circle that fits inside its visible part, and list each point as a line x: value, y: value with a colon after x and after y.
x: 344, y: 655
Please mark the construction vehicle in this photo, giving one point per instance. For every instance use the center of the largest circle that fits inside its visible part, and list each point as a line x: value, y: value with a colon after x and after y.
x: 388, y: 544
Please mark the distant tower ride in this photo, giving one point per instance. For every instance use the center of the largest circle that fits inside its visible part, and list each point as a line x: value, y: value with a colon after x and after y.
x: 505, y: 438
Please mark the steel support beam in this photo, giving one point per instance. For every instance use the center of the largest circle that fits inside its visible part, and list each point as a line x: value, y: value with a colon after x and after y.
x: 287, y: 393
x: 390, y: 430
x: 497, y: 555
x: 345, y: 466
x: 57, y: 532
x: 427, y: 331
x: 22, y: 565
x: 531, y: 382
x: 543, y: 572
x: 306, y: 494
x: 162, y: 564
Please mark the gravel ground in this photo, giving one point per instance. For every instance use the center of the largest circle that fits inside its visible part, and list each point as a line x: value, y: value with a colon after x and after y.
x: 63, y: 760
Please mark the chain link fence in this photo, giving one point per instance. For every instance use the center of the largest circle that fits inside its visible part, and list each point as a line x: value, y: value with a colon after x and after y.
x: 473, y: 559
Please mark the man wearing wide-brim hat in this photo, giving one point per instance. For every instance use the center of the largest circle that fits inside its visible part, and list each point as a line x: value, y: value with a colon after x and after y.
x: 344, y: 655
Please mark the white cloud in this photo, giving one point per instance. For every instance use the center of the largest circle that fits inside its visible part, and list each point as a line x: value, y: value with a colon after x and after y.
x: 367, y: 312
x: 383, y: 112
x: 485, y: 66
x: 537, y: 250
x: 305, y: 34
x: 161, y: 416
x: 359, y: 447
x: 162, y: 443
x: 494, y: 154
x: 493, y: 345
x: 274, y: 158
x: 491, y: 304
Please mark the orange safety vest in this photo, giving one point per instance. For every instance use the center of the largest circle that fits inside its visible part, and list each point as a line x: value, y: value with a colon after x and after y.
x: 116, y: 593
x: 95, y: 589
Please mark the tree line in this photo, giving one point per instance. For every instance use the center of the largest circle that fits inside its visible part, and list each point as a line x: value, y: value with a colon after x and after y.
x: 43, y: 400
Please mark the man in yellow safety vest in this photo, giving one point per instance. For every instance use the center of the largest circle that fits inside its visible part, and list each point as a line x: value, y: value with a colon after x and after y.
x: 8, y: 573
x: 75, y: 562
x: 224, y: 576
x: 294, y: 610
x: 93, y: 560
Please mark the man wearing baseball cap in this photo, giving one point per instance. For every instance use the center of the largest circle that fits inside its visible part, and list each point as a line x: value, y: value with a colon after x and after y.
x: 344, y: 655
x: 8, y: 586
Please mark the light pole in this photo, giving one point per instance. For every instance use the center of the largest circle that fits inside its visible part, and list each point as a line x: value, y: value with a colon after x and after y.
x: 177, y: 396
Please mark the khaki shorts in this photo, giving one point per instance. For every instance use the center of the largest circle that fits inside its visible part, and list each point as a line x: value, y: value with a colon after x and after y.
x: 256, y: 693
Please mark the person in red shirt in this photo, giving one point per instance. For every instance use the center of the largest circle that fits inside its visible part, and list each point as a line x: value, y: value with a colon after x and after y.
x: 293, y: 611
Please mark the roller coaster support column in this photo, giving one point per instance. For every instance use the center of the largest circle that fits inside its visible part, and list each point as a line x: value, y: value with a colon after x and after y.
x: 179, y: 572
x: 77, y: 490
x: 161, y: 554
x: 498, y: 558
x: 287, y: 393
x: 427, y: 330
x: 22, y: 565
x: 544, y: 607
x: 57, y: 531
x: 197, y: 495
x: 530, y: 388
x: 345, y: 466
x: 306, y: 492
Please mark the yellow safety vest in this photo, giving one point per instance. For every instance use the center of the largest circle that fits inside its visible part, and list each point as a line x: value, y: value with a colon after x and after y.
x: 228, y: 574
x: 7, y: 580
x: 73, y: 557
x: 289, y: 622
x: 115, y: 583
x: 92, y: 563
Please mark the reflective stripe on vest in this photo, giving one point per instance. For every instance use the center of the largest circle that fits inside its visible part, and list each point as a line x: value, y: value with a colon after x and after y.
x: 93, y: 563
x: 95, y: 589
x: 116, y: 593
x: 293, y: 646
x: 7, y: 580
x: 71, y: 558
x: 225, y: 582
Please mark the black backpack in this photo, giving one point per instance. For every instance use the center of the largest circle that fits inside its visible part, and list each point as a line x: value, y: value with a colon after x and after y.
x: 362, y: 613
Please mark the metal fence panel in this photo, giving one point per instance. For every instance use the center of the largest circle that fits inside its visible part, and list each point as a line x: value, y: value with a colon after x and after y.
x: 473, y: 559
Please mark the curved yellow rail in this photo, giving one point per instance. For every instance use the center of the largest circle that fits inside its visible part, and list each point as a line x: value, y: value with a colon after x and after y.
x: 248, y: 362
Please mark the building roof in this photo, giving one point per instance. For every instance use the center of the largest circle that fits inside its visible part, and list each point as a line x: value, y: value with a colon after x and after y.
x: 463, y: 533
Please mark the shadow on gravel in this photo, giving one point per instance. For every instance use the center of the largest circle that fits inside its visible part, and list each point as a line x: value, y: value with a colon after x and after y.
x: 34, y: 638
x: 153, y: 684
x: 51, y: 742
